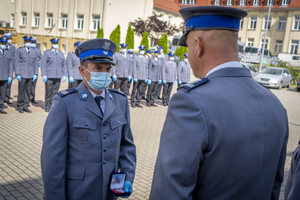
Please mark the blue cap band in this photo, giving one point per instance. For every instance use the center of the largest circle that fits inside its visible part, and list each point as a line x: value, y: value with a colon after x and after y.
x: 213, y: 21
x: 95, y: 52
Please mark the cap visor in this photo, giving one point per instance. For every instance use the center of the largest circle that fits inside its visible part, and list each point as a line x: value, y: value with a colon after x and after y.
x: 182, y: 40
x: 102, y: 61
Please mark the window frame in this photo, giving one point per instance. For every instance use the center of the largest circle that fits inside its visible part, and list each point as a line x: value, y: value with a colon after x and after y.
x: 23, y: 19
x: 79, y: 22
x: 296, y: 26
x: 294, y: 47
x: 64, y: 21
x: 49, y: 20
x: 278, y: 46
x: 254, y: 23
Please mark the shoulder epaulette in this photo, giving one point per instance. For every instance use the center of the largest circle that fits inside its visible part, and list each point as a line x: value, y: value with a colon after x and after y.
x: 193, y: 85
x: 117, y: 91
x: 66, y: 92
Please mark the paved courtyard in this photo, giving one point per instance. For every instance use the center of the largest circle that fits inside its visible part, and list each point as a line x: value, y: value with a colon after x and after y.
x: 21, y: 142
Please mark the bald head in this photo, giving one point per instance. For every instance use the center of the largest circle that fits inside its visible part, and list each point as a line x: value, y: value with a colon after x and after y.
x: 210, y: 48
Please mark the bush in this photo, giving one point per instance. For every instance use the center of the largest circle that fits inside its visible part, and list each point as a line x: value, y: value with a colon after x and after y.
x: 180, y: 51
x: 100, y: 33
x: 130, y: 38
x: 163, y: 41
x: 115, y: 36
x: 294, y: 73
x: 145, y: 41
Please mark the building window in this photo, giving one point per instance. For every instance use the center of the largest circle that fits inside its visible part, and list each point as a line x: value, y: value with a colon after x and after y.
x: 188, y: 2
x: 242, y: 2
x: 285, y: 2
x: 24, y: 19
x: 252, y: 24
x: 281, y: 23
x: 79, y: 22
x: 64, y: 20
x: 250, y: 42
x: 297, y: 23
x: 278, y: 46
x: 49, y: 22
x: 95, y: 23
x: 270, y: 3
x: 229, y: 2
x: 255, y: 3
x: 36, y: 19
x: 241, y: 23
x: 264, y: 44
x: 12, y: 20
x: 294, y: 46
x: 217, y: 2
x: 267, y: 23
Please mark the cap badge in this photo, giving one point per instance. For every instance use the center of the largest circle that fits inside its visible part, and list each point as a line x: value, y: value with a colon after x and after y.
x: 105, y: 52
x: 107, y: 44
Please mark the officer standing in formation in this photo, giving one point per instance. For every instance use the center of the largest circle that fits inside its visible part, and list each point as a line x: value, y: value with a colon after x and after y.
x: 213, y: 146
x: 73, y: 63
x: 87, y: 134
x: 6, y: 72
x: 169, y: 77
x: 183, y: 71
x: 26, y: 70
x: 130, y: 53
x: 147, y: 82
x: 161, y: 57
x: 139, y: 74
x: 38, y: 55
x: 123, y: 70
x: 53, y: 66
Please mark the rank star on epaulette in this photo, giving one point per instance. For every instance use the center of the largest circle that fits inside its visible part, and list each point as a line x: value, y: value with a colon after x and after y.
x: 193, y: 85
x: 66, y: 92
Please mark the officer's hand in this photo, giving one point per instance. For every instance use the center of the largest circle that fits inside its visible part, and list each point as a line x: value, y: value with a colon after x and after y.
x: 127, y: 188
x: 135, y: 80
x: 64, y: 78
x: 114, y: 78
x: 45, y: 79
x: 164, y: 82
x: 175, y: 82
x: 71, y: 79
x: 34, y: 78
x: 146, y: 80
x: 19, y: 78
x: 179, y: 82
x: 129, y: 78
x: 159, y: 82
x: 9, y: 80
x: 149, y: 82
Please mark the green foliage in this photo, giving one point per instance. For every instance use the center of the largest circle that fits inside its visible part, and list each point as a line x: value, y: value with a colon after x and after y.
x: 163, y: 41
x: 130, y: 38
x: 145, y: 41
x: 115, y: 36
x: 180, y: 51
x: 294, y: 73
x: 100, y: 33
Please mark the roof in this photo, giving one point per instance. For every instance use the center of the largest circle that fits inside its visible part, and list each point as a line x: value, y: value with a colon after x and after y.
x: 167, y: 5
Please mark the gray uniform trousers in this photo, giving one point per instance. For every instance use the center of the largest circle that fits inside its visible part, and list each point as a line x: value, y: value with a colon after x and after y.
x: 52, y: 86
x: 24, y: 88
x: 167, y: 93
x: 121, y: 84
x: 3, y: 89
x: 136, y: 93
x: 8, y: 91
x: 151, y: 93
x: 158, y: 91
x: 32, y: 93
x: 128, y: 87
x: 12, y: 50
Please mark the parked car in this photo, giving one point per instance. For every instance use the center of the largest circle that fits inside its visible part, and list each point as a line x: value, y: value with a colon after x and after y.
x: 252, y: 55
x: 298, y: 85
x: 251, y: 68
x: 274, y: 77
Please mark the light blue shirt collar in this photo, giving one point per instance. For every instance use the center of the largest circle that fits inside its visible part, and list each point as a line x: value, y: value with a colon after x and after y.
x: 225, y: 65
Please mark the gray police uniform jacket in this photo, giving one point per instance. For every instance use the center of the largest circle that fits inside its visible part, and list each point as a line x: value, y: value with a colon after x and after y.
x: 81, y: 146
x: 73, y: 63
x: 169, y: 71
x: 38, y: 55
x: 183, y: 72
x: 154, y: 69
x: 123, y: 69
x: 53, y: 65
x: 25, y: 63
x: 223, y: 139
x: 6, y: 65
x: 140, y: 67
x: 12, y: 51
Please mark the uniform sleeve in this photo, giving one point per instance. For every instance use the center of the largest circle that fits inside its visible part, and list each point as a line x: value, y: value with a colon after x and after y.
x: 44, y: 63
x: 189, y: 72
x: 127, y: 158
x: 149, y: 68
x: 64, y: 66
x: 69, y: 65
x: 54, y: 151
x: 178, y: 71
x: 175, y: 72
x: 163, y: 72
x: 134, y: 68
x: 183, y: 140
x: 17, y: 62
x: 36, y: 63
x: 10, y: 66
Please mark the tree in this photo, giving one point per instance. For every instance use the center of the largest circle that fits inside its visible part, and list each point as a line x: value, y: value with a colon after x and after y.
x: 115, y: 36
x: 180, y: 51
x: 100, y: 33
x: 130, y: 38
x: 163, y: 41
x: 145, y: 41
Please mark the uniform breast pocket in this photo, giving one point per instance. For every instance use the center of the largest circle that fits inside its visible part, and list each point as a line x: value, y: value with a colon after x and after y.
x: 85, y: 130
x: 116, y: 124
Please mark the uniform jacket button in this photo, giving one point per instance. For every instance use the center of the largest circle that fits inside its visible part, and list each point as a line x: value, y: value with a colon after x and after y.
x: 104, y: 162
x: 105, y: 149
x: 105, y: 136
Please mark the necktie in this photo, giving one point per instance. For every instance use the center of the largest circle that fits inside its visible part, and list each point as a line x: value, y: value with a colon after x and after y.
x: 98, y: 100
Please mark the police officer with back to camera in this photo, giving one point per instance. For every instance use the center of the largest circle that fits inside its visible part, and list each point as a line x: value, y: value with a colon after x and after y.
x: 130, y: 53
x: 213, y: 146
x: 154, y: 73
x: 169, y: 77
x: 183, y: 71
x: 139, y: 74
x: 26, y: 71
x: 6, y: 72
x: 87, y: 135
x: 73, y: 63
x: 12, y: 50
x: 123, y: 69
x: 53, y: 66
x: 39, y: 55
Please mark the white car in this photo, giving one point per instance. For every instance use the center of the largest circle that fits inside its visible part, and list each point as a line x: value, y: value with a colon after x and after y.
x: 274, y: 77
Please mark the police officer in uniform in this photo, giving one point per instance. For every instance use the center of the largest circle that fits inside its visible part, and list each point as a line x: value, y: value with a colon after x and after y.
x: 130, y: 53
x: 162, y: 59
x: 213, y: 146
x: 73, y: 63
x: 183, y: 71
x: 87, y: 134
x: 26, y: 71
x: 169, y: 77
x: 147, y: 82
x: 53, y: 66
x: 39, y: 55
x: 6, y: 71
x: 123, y: 69
x: 139, y: 74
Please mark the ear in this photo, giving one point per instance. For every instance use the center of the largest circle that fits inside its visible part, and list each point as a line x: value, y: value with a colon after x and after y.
x: 198, y: 46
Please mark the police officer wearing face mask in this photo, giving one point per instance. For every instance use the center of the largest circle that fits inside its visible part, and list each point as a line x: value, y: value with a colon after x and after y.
x: 26, y: 70
x: 53, y: 66
x: 159, y: 83
x: 73, y: 63
x: 130, y: 53
x: 147, y: 80
x: 183, y: 71
x: 87, y: 134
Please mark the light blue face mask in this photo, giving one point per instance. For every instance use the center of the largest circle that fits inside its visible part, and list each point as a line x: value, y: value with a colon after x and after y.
x: 99, y: 80
x: 3, y: 46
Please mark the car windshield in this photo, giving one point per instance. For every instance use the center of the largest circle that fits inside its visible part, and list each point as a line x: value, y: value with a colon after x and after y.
x: 251, y: 50
x: 271, y: 71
